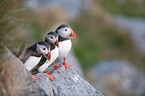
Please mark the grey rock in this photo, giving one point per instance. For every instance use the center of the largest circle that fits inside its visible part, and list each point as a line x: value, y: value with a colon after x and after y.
x: 67, y: 83
x: 73, y: 62
x: 117, y: 78
x: 15, y: 79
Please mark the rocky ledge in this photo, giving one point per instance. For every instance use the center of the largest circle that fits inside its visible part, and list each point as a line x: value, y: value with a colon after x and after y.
x: 67, y: 83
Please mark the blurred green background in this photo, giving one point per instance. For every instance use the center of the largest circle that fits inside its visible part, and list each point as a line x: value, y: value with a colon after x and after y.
x: 105, y: 29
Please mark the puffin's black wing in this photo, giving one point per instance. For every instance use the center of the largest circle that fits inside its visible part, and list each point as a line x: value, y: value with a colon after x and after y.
x: 22, y: 54
x: 25, y: 53
x: 41, y: 62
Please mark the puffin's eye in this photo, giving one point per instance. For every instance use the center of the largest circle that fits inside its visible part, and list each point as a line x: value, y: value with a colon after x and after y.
x: 51, y: 37
x: 65, y: 29
x: 44, y: 48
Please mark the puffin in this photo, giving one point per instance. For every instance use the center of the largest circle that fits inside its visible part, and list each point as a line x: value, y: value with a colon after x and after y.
x: 52, y: 39
x: 65, y: 33
x: 35, y: 55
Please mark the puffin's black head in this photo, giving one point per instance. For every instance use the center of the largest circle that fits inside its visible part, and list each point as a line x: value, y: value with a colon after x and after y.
x: 61, y: 26
x: 65, y: 31
x: 52, y: 38
x: 43, y: 48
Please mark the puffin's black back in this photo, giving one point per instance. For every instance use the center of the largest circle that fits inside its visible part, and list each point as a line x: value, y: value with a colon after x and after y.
x: 25, y: 53
x: 52, y: 33
x: 61, y: 26
x: 43, y: 43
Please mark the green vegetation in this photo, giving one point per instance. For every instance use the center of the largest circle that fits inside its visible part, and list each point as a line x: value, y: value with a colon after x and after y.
x: 98, y: 40
x: 11, y: 21
x: 128, y: 7
x: 8, y: 20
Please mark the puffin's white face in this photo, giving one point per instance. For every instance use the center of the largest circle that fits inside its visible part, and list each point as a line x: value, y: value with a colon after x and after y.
x: 65, y: 32
x: 42, y: 49
x: 51, y: 38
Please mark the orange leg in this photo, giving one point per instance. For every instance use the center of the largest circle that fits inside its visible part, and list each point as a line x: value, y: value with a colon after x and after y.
x: 35, y: 77
x: 55, y: 66
x: 64, y: 64
x: 49, y: 75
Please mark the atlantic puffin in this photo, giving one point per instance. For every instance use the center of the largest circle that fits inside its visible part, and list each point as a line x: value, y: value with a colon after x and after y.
x: 52, y: 39
x: 35, y: 55
x: 65, y: 33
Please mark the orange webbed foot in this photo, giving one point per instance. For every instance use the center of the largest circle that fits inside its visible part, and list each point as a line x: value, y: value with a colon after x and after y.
x: 49, y: 75
x: 66, y: 65
x: 35, y: 77
x: 55, y: 67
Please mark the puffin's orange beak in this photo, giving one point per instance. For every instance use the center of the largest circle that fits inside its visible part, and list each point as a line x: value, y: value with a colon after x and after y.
x: 73, y: 34
x: 49, y: 56
x: 57, y: 43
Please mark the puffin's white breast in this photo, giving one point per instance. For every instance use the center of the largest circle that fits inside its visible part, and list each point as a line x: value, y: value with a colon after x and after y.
x: 64, y: 48
x: 31, y: 62
x: 54, y: 55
